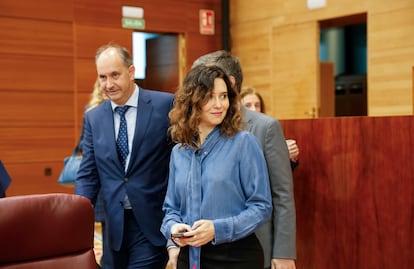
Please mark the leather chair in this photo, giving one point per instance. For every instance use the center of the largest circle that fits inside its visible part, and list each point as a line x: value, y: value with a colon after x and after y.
x: 46, y: 231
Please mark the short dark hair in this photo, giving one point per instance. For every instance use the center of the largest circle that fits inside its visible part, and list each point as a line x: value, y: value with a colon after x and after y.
x: 223, y: 59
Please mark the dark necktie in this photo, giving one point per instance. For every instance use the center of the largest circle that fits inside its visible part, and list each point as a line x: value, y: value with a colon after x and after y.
x: 122, y: 140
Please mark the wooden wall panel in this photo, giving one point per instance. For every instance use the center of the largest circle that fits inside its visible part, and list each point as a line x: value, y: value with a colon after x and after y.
x: 90, y: 38
x: 296, y: 45
x: 257, y: 69
x: 36, y: 109
x: 377, y: 7
x: 86, y: 75
x: 242, y: 12
x: 61, y: 10
x: 36, y: 144
x: 34, y: 37
x: 354, y: 191
x: 36, y: 73
x: 391, y: 60
x: 197, y: 45
x: 327, y: 93
x: 389, y: 40
x: 102, y: 14
x: 29, y: 178
x: 47, y: 48
x: 159, y: 15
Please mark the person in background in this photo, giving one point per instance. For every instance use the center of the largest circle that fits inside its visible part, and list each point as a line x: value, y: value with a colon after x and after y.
x: 278, y: 235
x: 126, y: 153
x: 97, y: 97
x: 218, y: 189
x: 5, y: 180
x: 253, y: 100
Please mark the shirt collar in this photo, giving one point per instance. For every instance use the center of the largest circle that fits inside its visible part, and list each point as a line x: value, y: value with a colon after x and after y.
x: 132, y: 101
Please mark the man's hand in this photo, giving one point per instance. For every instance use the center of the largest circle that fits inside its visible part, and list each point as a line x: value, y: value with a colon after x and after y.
x: 283, y: 264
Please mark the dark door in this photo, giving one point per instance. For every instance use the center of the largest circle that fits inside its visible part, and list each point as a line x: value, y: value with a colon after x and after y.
x: 162, y: 72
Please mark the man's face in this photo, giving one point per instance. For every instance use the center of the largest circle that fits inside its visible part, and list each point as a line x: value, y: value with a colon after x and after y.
x: 117, y: 80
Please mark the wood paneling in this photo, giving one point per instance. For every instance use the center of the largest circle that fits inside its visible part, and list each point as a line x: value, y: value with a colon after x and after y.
x: 36, y: 109
x: 90, y: 38
x: 390, y: 60
x: 327, y: 90
x: 160, y: 15
x: 295, y: 45
x: 35, y: 37
x: 50, y: 10
x: 354, y: 191
x: 29, y: 178
x: 257, y: 68
x: 26, y: 145
x: 85, y: 75
x: 47, y: 49
x: 36, y: 73
x: 197, y: 45
x: 389, y: 52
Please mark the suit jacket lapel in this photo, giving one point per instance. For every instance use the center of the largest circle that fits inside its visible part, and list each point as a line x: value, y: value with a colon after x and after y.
x: 108, y: 124
x: 144, y: 111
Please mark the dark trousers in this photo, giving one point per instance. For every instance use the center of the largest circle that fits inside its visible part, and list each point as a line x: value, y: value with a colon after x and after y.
x: 136, y: 251
x: 246, y: 253
x: 106, y: 259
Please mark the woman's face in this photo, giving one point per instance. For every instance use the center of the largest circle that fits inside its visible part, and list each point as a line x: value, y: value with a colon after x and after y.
x: 215, y: 109
x: 252, y: 102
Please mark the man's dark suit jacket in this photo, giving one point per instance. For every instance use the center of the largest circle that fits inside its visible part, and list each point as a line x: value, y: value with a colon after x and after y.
x: 146, y: 178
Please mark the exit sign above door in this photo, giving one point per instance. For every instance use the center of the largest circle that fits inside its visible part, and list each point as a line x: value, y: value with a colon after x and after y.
x: 133, y: 23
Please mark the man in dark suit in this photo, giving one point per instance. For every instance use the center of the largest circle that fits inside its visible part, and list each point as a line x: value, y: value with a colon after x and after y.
x: 133, y: 173
x: 278, y: 235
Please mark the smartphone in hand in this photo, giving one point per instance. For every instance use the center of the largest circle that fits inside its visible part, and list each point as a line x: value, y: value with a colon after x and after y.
x: 178, y: 234
x: 181, y: 234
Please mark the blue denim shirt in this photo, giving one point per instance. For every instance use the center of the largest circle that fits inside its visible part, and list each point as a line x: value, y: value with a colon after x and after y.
x: 226, y: 182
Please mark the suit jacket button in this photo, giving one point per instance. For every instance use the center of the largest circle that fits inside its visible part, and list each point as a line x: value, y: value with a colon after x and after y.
x: 126, y: 179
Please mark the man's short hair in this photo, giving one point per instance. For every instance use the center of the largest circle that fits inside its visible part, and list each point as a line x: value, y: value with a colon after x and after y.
x: 223, y: 59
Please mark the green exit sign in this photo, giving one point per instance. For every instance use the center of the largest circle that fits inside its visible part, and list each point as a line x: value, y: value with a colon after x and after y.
x: 133, y: 23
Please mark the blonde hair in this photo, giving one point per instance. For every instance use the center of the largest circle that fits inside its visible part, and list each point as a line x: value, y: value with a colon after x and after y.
x: 97, y: 96
x: 250, y: 90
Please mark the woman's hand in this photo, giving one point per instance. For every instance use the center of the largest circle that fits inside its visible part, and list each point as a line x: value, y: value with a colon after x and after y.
x: 201, y: 233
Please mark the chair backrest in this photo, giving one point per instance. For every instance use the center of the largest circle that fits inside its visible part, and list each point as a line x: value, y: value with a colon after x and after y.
x: 46, y: 231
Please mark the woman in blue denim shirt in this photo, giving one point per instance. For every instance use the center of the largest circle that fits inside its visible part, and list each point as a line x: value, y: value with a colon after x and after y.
x: 218, y: 191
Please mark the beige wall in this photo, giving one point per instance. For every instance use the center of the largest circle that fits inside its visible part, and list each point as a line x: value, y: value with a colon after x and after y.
x: 278, y: 45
